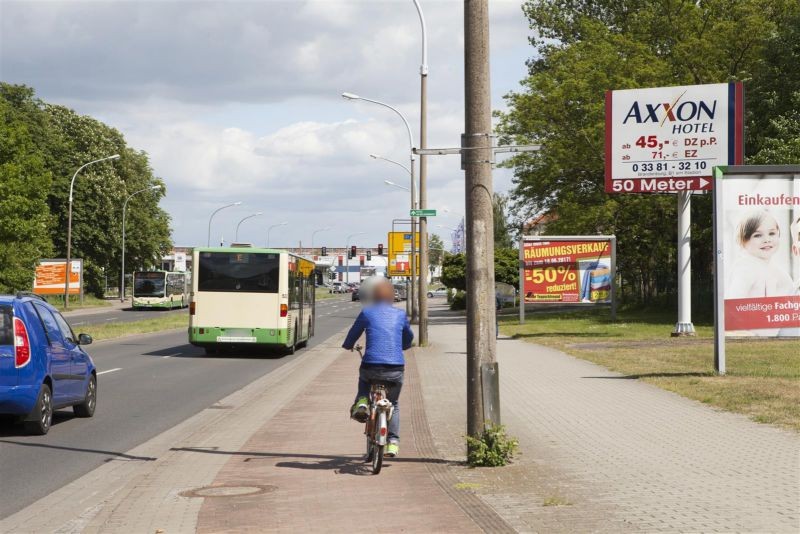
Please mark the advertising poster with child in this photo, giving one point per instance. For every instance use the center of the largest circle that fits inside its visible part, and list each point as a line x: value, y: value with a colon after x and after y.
x: 760, y: 220
x: 567, y: 270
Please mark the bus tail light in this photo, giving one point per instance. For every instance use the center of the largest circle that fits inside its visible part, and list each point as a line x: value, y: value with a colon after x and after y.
x: 22, y: 346
x: 191, y: 308
x: 284, y: 310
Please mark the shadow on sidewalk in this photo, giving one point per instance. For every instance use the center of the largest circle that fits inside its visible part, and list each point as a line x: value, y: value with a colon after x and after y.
x: 652, y: 375
x: 348, y: 465
x: 121, y: 455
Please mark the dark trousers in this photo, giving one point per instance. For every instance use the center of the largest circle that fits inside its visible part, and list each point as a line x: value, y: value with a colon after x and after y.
x: 394, y: 376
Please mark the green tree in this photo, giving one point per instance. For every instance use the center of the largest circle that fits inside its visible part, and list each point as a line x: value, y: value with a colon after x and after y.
x: 502, y: 235
x: 585, y: 47
x: 24, y: 218
x: 454, y: 271
x: 436, y: 246
x: 506, y: 266
x: 64, y: 141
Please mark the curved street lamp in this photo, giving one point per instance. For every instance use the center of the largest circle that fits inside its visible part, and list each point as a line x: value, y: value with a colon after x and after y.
x: 389, y: 182
x: 284, y: 223
x: 236, y: 238
x: 315, y: 232
x: 68, y: 266
x: 351, y: 96
x: 208, y: 241
x: 124, y: 212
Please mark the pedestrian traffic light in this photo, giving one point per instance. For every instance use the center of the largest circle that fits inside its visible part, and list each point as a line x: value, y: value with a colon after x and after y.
x: 324, y: 251
x: 353, y: 251
x: 380, y: 249
x: 369, y: 255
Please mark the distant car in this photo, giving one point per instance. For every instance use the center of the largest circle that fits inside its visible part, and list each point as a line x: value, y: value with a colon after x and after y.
x: 354, y: 296
x: 396, y: 296
x: 441, y: 292
x: 43, y: 366
x: 339, y: 287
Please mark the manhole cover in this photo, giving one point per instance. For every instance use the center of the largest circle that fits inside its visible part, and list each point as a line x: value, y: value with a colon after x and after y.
x: 227, y: 491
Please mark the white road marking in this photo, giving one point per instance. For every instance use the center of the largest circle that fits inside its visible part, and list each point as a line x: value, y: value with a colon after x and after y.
x: 109, y: 371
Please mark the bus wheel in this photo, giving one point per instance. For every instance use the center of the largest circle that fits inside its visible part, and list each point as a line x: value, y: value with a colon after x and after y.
x: 293, y: 347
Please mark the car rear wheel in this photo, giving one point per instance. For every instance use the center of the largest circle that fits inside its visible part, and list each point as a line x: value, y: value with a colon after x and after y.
x: 42, y: 413
x: 86, y: 408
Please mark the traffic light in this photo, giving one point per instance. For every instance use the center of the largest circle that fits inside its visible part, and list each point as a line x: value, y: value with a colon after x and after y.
x: 369, y: 255
x: 380, y: 249
x: 353, y: 251
x: 324, y: 251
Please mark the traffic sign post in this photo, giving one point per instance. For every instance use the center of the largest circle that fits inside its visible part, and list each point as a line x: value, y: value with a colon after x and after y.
x: 423, y: 213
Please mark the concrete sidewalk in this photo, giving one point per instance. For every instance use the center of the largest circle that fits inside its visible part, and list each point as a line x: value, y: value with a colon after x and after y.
x: 601, y: 453
x: 598, y: 454
x: 279, y: 455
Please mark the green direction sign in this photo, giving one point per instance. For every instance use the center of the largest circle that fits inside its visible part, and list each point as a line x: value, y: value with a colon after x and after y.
x: 423, y: 213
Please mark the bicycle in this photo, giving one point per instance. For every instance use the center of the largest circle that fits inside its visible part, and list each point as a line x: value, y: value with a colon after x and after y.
x: 376, y: 428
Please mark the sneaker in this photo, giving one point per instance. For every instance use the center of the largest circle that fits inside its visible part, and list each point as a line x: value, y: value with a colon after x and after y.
x: 359, y: 410
x: 392, y: 450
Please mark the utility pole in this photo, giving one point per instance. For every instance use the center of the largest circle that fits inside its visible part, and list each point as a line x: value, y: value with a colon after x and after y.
x: 422, y: 293
x: 482, y: 396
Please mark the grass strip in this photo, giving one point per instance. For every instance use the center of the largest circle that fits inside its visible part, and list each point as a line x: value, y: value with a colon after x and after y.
x: 763, y: 380
x: 160, y: 321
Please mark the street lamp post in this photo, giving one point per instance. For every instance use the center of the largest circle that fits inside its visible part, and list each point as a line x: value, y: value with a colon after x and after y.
x: 409, y: 294
x: 68, y: 266
x: 351, y: 96
x: 347, y: 250
x: 284, y: 223
x: 124, y: 213
x: 404, y: 188
x: 423, y: 185
x: 208, y: 241
x: 236, y: 235
x: 314, y: 233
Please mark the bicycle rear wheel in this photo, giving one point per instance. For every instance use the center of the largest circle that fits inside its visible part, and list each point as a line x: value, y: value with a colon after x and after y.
x: 370, y: 449
x: 377, y: 458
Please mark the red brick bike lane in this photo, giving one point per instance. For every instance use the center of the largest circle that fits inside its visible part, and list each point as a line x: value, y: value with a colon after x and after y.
x: 308, y: 462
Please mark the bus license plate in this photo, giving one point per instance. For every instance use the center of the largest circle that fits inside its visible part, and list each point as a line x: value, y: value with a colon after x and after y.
x: 235, y: 339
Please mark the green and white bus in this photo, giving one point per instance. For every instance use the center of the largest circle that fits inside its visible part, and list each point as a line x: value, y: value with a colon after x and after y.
x: 251, y: 296
x: 160, y: 289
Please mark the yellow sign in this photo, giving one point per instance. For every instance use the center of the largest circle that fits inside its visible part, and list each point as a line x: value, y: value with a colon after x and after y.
x: 400, y: 253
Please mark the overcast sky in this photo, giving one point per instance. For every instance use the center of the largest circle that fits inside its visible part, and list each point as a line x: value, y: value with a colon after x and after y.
x: 240, y: 101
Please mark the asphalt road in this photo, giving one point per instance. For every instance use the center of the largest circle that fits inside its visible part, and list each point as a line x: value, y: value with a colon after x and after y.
x: 146, y: 385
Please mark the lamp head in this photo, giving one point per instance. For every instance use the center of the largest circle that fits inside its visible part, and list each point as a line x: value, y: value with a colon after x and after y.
x: 115, y: 156
x: 374, y: 156
x: 350, y: 96
x: 237, y: 203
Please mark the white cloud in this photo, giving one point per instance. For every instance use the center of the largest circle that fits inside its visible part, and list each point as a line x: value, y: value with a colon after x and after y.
x: 239, y: 100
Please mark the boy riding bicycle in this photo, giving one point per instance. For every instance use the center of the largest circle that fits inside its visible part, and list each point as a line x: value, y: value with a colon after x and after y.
x: 388, y: 335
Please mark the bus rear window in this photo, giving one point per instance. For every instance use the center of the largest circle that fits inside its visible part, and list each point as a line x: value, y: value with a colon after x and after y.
x: 238, y: 272
x: 6, y: 326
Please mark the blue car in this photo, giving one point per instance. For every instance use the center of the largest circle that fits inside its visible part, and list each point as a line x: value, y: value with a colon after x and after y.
x: 43, y: 366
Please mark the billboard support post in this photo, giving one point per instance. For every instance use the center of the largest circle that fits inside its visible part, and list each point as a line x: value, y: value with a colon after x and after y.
x: 719, y: 274
x: 684, y: 326
x: 521, y: 278
x: 614, y: 278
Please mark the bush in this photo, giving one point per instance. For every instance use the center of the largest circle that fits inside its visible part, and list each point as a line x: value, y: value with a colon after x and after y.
x: 459, y: 301
x: 492, y: 448
x: 450, y: 294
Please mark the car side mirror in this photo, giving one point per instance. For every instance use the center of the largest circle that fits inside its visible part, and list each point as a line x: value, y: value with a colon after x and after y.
x: 84, y: 339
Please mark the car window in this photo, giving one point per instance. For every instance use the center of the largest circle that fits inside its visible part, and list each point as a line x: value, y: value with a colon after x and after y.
x: 50, y: 324
x: 6, y: 325
x: 66, y: 331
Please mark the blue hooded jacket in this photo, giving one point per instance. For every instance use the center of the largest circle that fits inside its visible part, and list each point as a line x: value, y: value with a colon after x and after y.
x: 388, y: 334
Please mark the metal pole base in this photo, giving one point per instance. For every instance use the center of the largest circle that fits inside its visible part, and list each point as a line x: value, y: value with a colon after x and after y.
x: 683, y: 329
